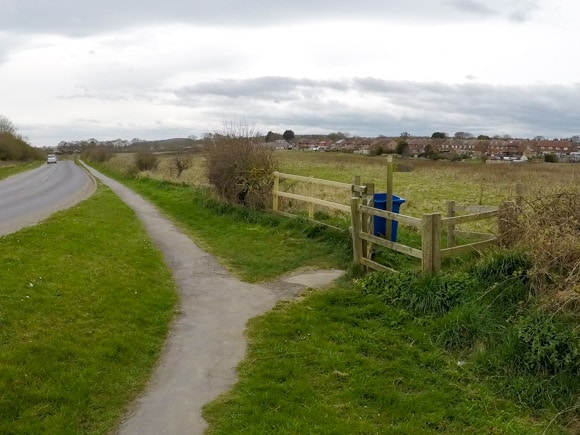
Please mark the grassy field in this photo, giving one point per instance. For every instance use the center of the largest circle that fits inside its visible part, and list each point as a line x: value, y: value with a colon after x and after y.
x: 342, y: 361
x: 425, y: 185
x: 85, y: 304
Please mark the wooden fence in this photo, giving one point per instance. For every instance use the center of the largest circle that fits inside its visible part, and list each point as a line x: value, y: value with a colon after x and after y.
x: 310, y: 200
x: 430, y: 226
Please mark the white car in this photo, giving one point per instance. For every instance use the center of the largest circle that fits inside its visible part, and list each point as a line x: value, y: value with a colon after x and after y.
x: 51, y: 158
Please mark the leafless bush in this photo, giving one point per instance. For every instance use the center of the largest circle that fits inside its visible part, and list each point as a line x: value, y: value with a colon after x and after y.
x: 146, y: 160
x: 240, y: 167
x: 549, y: 229
x: 180, y: 163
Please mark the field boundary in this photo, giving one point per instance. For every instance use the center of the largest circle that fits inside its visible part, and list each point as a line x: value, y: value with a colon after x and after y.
x: 430, y: 226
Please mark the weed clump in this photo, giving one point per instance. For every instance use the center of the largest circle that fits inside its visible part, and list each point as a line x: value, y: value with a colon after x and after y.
x: 420, y: 295
x: 546, y: 344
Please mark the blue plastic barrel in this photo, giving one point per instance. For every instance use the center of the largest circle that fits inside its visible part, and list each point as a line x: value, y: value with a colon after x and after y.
x: 379, y: 223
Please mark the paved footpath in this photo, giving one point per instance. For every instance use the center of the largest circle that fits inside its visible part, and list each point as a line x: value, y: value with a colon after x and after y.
x: 206, y: 341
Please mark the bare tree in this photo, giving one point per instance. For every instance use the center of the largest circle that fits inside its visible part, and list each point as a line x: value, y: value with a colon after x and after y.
x: 6, y: 126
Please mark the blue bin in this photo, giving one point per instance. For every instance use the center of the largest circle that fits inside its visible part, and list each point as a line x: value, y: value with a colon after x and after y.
x: 379, y: 223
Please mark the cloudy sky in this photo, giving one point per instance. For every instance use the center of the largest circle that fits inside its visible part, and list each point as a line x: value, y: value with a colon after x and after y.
x: 76, y: 69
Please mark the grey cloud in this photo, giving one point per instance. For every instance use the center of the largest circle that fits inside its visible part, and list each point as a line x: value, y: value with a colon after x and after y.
x: 74, y: 17
x: 473, y: 7
x: 524, y: 11
x: 519, y: 111
x: 272, y: 88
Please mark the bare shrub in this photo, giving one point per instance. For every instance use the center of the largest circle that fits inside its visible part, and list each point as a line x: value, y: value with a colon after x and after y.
x: 98, y: 154
x: 146, y: 161
x: 549, y: 230
x: 240, y: 167
x: 180, y: 163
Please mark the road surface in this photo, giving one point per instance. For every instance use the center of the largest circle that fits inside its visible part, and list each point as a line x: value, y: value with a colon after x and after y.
x: 32, y: 196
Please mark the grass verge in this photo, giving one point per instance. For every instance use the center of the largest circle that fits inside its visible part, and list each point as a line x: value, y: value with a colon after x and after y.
x: 85, y: 304
x: 9, y: 169
x: 253, y: 245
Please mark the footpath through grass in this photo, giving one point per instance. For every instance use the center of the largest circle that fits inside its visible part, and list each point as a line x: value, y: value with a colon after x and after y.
x: 85, y: 304
x: 254, y: 246
x: 345, y: 360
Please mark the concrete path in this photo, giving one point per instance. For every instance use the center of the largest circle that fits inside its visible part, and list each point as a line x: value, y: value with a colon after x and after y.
x: 206, y: 341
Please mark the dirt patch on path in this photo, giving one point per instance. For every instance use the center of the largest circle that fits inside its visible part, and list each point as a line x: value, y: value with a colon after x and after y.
x: 206, y: 341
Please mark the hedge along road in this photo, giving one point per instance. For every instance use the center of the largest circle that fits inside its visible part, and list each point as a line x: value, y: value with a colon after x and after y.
x: 207, y: 340
x: 32, y: 196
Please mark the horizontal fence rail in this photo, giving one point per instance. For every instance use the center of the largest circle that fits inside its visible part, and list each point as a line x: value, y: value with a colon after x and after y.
x: 316, y: 201
x: 429, y: 226
x: 309, y: 199
x: 320, y: 181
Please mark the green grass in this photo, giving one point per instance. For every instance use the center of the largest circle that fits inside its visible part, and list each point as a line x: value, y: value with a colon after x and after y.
x: 349, y: 361
x: 253, y: 245
x: 9, y: 169
x: 85, y: 304
x: 344, y: 362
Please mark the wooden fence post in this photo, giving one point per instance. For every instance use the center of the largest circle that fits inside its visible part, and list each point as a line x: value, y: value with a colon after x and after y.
x: 310, y: 194
x: 431, y: 243
x: 357, y: 249
x: 367, y: 219
x: 275, y: 199
x: 389, y: 198
x: 450, y: 226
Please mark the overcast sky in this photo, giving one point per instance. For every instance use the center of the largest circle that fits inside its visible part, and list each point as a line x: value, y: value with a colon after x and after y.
x: 72, y: 69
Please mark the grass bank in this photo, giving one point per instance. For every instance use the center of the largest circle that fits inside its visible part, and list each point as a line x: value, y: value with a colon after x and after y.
x: 9, y: 169
x: 85, y: 304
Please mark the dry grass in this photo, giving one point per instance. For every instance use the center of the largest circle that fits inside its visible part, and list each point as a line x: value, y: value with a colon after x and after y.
x: 195, y: 175
x: 426, y: 189
x: 549, y: 230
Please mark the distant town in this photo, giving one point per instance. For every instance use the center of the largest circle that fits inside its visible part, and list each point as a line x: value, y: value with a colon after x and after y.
x: 439, y: 145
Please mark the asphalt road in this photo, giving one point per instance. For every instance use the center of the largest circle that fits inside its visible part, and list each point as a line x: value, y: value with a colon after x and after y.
x: 32, y: 196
